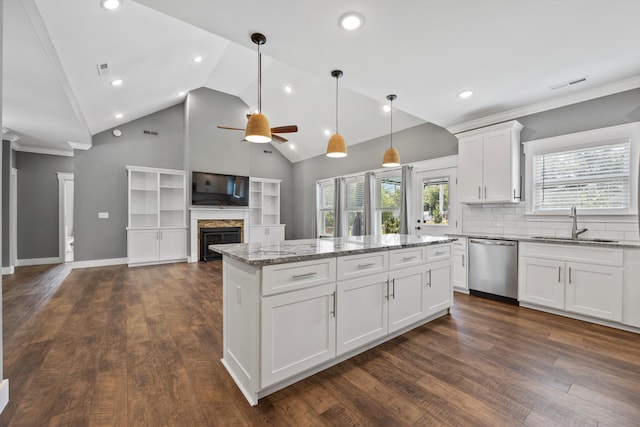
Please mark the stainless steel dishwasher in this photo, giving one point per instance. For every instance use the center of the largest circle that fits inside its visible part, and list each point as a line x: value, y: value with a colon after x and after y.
x: 493, y: 269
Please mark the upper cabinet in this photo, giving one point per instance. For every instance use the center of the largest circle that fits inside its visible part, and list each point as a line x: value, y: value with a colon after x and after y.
x: 489, y: 164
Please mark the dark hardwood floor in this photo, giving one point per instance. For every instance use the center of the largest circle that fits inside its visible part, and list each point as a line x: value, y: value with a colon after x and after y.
x: 117, y: 346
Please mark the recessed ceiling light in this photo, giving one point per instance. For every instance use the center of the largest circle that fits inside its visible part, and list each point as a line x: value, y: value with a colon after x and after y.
x: 183, y: 93
x: 197, y: 59
x: 118, y: 115
x: 465, y: 94
x: 351, y: 21
x: 327, y: 132
x: 386, y: 108
x: 288, y: 89
x: 292, y: 146
x: 111, y: 4
x: 116, y: 82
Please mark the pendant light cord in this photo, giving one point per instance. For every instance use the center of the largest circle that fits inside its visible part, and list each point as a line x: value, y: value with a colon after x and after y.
x: 336, y: 104
x: 391, y: 116
x: 259, y: 80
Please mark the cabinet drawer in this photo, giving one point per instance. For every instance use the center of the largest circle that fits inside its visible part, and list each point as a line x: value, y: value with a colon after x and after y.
x: 362, y: 265
x: 438, y: 253
x: 460, y: 244
x: 298, y: 275
x: 573, y: 253
x: 401, y: 258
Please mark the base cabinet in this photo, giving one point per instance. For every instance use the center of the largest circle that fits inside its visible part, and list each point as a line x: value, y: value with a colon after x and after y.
x: 438, y: 294
x: 460, y: 260
x: 156, y: 245
x: 266, y: 233
x: 594, y: 290
x: 406, y: 297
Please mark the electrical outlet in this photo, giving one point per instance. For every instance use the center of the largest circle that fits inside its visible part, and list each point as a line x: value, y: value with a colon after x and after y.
x: 239, y: 295
x: 103, y: 215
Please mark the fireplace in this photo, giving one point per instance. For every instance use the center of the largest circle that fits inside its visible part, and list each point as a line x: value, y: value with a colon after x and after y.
x: 217, y: 236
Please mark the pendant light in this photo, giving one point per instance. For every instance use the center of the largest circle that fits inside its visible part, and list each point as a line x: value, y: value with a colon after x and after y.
x: 336, y: 146
x: 391, y: 156
x: 258, y: 129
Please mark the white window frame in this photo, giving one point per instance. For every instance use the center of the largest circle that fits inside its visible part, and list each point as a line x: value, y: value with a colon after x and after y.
x: 320, y: 210
x: 394, y: 173
x: 593, y: 138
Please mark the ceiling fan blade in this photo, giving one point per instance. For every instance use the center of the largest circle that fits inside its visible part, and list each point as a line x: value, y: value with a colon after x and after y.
x: 285, y: 129
x: 278, y: 138
x: 229, y: 128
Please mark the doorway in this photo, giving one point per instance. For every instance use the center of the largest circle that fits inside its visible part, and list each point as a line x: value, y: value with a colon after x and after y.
x: 436, y: 208
x: 65, y: 203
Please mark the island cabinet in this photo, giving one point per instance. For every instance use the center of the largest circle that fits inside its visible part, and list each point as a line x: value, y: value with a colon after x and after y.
x: 572, y: 278
x: 285, y: 322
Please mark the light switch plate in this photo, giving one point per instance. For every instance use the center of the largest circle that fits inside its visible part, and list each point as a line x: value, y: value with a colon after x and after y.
x: 103, y: 215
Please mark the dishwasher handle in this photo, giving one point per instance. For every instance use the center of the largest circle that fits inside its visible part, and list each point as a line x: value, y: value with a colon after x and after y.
x: 494, y: 242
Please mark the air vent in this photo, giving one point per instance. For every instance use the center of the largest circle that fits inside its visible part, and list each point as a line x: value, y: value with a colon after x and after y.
x: 103, y: 69
x: 150, y: 132
x: 575, y: 81
x: 267, y: 151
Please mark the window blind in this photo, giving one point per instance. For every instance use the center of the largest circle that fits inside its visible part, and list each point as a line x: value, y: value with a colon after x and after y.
x: 354, y: 193
x: 327, y: 195
x: 589, y: 178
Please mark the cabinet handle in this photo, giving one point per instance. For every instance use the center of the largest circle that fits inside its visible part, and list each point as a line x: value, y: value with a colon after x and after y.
x: 559, y: 268
x: 333, y: 310
x: 387, y: 295
x: 408, y: 258
x: 440, y: 253
x: 371, y: 264
x: 429, y: 282
x: 569, y: 274
x: 302, y: 276
x: 485, y: 191
x: 463, y: 260
x: 479, y: 197
x: 393, y: 286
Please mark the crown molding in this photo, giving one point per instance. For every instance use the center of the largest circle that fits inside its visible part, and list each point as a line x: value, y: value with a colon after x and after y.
x: 79, y: 145
x: 586, y: 95
x: 40, y: 150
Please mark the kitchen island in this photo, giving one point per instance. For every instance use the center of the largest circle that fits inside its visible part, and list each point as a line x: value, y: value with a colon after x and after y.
x: 296, y: 307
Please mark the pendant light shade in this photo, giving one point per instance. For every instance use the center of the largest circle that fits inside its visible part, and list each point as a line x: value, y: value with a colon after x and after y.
x: 336, y: 146
x: 391, y: 156
x: 258, y: 129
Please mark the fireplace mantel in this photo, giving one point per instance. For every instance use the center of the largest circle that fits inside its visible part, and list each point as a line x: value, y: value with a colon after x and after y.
x: 199, y: 213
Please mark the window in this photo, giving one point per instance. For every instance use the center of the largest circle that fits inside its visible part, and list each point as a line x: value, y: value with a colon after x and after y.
x: 435, y: 201
x: 388, y: 191
x: 326, y: 200
x: 354, y: 205
x: 595, y: 178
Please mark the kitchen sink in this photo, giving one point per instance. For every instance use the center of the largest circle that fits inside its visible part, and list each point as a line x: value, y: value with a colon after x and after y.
x: 569, y: 239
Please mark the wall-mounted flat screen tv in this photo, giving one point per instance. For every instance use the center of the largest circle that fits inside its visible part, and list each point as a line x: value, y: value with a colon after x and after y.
x: 214, y: 189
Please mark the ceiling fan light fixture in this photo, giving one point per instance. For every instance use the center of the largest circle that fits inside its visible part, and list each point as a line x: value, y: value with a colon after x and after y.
x: 258, y: 129
x: 336, y: 147
x: 391, y: 157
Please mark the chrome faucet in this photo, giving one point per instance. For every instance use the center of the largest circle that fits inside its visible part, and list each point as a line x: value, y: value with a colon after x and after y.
x: 574, y: 228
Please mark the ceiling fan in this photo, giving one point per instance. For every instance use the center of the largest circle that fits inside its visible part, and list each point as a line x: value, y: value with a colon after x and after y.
x: 258, y: 129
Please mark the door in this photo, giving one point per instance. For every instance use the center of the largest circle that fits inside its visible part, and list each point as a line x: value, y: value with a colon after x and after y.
x: 497, y: 166
x: 406, y: 300
x: 470, y: 169
x: 541, y: 281
x: 438, y: 293
x: 298, y: 332
x: 142, y: 245
x: 173, y: 244
x: 595, y: 290
x: 436, y: 202
x: 362, y: 311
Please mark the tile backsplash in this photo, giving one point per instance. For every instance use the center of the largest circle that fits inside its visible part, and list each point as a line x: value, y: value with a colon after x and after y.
x: 510, y: 219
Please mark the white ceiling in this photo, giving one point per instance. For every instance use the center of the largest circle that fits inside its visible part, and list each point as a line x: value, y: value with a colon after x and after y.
x: 509, y: 53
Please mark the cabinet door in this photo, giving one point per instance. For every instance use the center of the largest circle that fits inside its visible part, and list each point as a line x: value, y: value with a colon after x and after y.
x: 142, y: 246
x: 470, y: 169
x: 257, y: 234
x: 275, y: 234
x: 541, y: 281
x: 460, y: 270
x: 438, y: 293
x: 496, y: 161
x: 298, y: 332
x: 362, y: 311
x: 595, y: 290
x: 406, y: 301
x: 173, y: 244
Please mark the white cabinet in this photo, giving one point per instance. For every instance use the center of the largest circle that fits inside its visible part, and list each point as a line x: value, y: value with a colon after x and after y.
x: 459, y: 259
x: 156, y: 230
x: 406, y: 297
x: 266, y: 233
x: 298, y: 332
x: 438, y: 293
x: 489, y: 164
x: 549, y: 276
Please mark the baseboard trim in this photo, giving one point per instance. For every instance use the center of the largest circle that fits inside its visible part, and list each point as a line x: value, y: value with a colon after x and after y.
x: 8, y: 270
x: 98, y: 263
x: 4, y: 394
x: 38, y: 261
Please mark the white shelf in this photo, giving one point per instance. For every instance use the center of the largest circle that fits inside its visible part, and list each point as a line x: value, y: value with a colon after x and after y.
x: 264, y: 201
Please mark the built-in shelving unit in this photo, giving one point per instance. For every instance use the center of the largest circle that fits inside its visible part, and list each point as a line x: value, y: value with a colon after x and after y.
x: 264, y: 203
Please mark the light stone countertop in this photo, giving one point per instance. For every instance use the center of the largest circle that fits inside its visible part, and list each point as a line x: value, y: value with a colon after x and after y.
x: 553, y: 240
x: 259, y: 254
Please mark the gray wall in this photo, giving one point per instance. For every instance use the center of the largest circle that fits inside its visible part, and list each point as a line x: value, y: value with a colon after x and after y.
x: 210, y: 149
x: 6, y: 180
x: 37, y: 200
x: 421, y: 142
x: 101, y: 179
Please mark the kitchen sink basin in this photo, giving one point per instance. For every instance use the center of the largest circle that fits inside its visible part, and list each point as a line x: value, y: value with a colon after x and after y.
x: 569, y: 239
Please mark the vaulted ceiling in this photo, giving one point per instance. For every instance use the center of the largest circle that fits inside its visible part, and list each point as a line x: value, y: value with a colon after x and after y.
x: 513, y: 55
